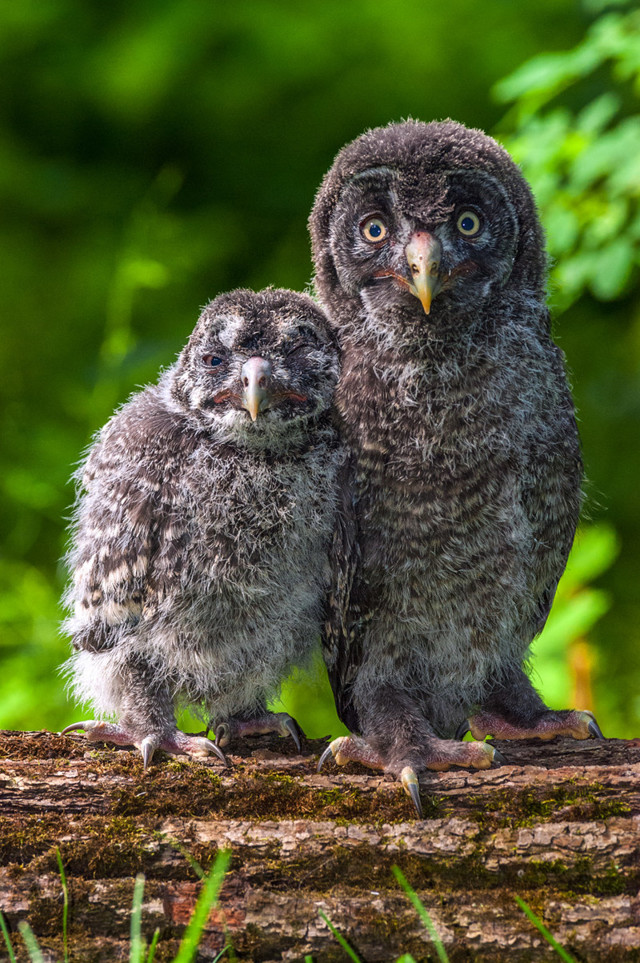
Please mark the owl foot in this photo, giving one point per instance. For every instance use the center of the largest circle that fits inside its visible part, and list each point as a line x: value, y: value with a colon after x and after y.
x: 278, y: 722
x: 579, y: 724
x: 439, y: 755
x: 176, y: 743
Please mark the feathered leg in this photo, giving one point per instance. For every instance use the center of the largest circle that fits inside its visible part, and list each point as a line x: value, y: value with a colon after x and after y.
x: 145, y: 718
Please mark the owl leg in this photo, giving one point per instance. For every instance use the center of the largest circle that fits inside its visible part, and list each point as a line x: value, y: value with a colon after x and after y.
x: 145, y: 718
x: 398, y: 739
x: 514, y: 710
x: 240, y: 726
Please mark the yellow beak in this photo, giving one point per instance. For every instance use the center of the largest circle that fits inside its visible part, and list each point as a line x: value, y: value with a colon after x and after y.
x: 256, y: 377
x: 424, y: 253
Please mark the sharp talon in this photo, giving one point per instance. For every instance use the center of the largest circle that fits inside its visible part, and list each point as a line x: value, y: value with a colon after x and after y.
x: 462, y: 730
x: 74, y: 727
x: 325, y: 755
x: 595, y: 729
x: 147, y: 748
x: 498, y: 758
x: 292, y: 728
x: 222, y: 734
x: 411, y: 786
x: 212, y: 747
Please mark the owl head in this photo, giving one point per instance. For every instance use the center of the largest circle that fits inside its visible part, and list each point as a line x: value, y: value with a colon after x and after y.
x: 258, y: 366
x: 423, y: 226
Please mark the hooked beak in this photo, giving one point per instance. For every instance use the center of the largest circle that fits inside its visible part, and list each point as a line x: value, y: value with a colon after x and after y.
x: 256, y: 380
x: 423, y: 253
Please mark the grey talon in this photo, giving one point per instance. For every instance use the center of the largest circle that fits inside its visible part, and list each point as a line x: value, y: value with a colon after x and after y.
x: 595, y: 729
x: 414, y: 792
x: 222, y: 734
x: 323, y: 758
x: 209, y: 744
x: 462, y: 730
x: 498, y: 758
x: 292, y: 728
x: 411, y: 785
x: 74, y: 727
x: 147, y: 748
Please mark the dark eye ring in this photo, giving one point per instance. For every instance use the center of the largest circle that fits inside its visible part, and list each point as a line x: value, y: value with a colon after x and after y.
x: 211, y: 360
x: 374, y: 230
x: 469, y: 223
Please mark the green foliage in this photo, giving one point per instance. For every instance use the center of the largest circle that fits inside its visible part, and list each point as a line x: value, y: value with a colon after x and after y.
x: 581, y: 154
x: 576, y: 609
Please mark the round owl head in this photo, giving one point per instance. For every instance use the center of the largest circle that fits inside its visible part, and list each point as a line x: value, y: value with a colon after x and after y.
x: 423, y: 226
x: 258, y: 367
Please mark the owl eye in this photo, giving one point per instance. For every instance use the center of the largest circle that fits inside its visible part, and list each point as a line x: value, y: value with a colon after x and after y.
x: 211, y: 361
x: 469, y: 223
x: 374, y: 230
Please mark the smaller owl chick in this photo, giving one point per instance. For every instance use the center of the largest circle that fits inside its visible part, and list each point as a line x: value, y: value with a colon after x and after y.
x: 199, y: 553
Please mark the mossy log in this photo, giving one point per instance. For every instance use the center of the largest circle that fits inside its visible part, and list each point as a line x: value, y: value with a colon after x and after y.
x: 558, y: 825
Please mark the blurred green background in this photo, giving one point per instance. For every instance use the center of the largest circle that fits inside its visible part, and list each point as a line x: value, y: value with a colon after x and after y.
x: 154, y: 154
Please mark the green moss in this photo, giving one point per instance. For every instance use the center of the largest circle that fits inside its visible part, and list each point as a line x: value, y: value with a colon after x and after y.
x: 574, y: 801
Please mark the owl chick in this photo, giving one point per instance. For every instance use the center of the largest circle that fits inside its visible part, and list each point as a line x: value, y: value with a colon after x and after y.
x: 465, y: 490
x: 199, y: 553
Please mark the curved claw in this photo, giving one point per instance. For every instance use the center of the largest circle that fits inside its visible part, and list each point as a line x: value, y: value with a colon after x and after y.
x: 462, y: 730
x: 411, y: 786
x: 498, y: 758
x: 147, y: 747
x: 222, y: 734
x: 595, y: 729
x: 78, y: 726
x: 210, y: 746
x: 325, y: 755
x: 292, y: 728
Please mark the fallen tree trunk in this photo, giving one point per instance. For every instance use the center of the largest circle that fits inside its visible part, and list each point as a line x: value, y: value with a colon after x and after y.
x: 559, y: 826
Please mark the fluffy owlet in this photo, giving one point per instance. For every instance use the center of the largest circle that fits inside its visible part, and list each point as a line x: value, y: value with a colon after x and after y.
x: 200, y: 547
x: 465, y: 492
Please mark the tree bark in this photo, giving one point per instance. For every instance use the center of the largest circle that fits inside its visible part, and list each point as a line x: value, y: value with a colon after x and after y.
x: 558, y: 825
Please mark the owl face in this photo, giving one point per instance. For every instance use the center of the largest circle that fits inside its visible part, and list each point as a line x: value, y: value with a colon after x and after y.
x: 422, y: 225
x: 258, y: 365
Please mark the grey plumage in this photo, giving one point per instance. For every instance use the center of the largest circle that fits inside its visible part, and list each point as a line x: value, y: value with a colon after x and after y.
x: 465, y: 489
x: 199, y: 553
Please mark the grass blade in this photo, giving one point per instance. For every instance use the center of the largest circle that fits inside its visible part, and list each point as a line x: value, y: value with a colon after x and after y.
x: 7, y: 939
x: 65, y: 905
x: 208, y: 896
x: 422, y: 913
x: 537, y: 922
x: 154, y: 942
x: 340, y: 938
x: 219, y: 955
x: 136, y: 949
x: 31, y: 943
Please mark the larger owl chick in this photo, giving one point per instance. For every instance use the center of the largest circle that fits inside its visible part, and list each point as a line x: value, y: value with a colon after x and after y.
x: 199, y: 553
x: 465, y: 490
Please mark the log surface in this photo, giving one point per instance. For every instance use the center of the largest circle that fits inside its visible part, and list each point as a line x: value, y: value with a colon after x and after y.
x: 559, y: 825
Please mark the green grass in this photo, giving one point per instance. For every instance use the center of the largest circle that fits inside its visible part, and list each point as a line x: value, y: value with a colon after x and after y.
x: 138, y: 950
x: 212, y: 884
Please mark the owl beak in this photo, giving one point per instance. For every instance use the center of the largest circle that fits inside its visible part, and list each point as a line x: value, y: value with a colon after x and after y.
x: 256, y: 379
x: 424, y: 252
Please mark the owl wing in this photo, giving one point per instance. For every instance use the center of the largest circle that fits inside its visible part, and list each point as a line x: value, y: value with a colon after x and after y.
x: 123, y: 504
x: 551, y: 492
x: 340, y: 639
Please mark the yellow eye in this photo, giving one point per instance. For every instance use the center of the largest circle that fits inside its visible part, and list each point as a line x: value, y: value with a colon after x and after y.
x: 469, y: 223
x: 374, y: 230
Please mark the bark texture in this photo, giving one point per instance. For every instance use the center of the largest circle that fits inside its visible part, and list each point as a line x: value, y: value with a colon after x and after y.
x: 559, y: 826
